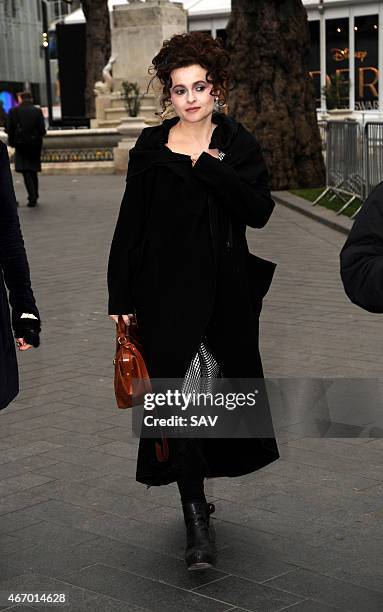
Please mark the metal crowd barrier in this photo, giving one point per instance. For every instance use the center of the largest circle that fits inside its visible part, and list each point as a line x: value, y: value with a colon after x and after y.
x: 373, y: 135
x: 322, y: 125
x: 354, y: 160
x: 345, y: 163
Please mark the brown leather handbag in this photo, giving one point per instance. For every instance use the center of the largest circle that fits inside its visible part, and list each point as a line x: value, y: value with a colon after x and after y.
x: 129, y: 364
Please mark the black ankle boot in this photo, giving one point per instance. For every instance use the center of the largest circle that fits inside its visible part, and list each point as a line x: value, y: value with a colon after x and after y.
x: 200, y: 552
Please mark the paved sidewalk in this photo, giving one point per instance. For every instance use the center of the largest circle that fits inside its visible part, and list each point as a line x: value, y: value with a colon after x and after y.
x: 303, y: 534
x: 323, y: 215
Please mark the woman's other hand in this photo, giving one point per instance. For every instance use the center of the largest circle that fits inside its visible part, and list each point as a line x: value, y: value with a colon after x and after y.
x: 126, y: 318
x: 212, y: 152
x: 26, y: 331
x: 22, y: 345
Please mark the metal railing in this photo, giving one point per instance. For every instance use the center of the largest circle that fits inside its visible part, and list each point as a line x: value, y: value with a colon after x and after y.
x: 373, y: 135
x: 354, y: 161
x: 345, y: 163
x: 322, y: 125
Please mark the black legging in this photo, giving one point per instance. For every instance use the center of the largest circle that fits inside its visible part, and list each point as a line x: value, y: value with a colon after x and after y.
x: 191, y: 488
x: 31, y: 182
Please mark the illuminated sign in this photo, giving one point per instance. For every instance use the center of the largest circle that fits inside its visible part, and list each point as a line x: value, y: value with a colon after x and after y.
x: 339, y: 55
x: 8, y: 100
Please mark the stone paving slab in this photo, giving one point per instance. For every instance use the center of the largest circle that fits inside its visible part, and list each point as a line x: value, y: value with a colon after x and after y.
x: 302, y: 534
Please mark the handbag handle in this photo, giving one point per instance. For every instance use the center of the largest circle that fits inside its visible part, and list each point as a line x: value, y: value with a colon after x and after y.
x: 121, y: 328
x: 124, y: 332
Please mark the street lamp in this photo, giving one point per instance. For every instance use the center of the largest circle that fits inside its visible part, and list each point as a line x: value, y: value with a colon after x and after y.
x: 45, y: 45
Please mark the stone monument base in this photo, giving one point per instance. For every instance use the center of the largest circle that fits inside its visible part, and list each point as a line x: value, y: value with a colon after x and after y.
x: 130, y: 130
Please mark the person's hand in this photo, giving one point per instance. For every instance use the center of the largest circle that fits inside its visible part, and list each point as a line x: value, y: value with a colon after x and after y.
x: 22, y: 345
x: 126, y: 318
x: 212, y: 152
x: 26, y: 331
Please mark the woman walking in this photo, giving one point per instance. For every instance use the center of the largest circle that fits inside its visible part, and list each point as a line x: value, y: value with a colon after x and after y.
x: 14, y: 274
x: 179, y: 263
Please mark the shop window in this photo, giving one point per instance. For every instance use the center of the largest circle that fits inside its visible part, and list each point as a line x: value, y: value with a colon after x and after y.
x: 337, y: 63
x: 366, y: 62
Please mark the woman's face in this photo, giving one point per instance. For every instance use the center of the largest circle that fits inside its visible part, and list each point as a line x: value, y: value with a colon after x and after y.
x: 190, y: 89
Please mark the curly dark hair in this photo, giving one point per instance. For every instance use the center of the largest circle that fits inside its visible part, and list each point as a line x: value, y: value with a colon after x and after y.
x: 190, y: 48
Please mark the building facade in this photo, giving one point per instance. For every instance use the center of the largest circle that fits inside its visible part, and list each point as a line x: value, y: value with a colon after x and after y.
x: 21, y: 50
x: 346, y: 53
x: 347, y: 48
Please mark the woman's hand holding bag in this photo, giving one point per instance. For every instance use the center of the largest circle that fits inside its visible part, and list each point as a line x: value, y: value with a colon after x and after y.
x: 126, y: 318
x: 131, y: 378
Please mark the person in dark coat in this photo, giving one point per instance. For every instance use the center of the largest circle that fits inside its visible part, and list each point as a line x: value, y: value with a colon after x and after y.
x: 3, y: 115
x: 26, y: 128
x: 361, y: 258
x: 14, y: 275
x: 179, y: 263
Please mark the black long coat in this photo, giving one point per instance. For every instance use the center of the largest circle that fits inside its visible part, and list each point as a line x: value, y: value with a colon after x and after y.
x: 31, y: 119
x: 169, y: 263
x: 361, y: 258
x: 14, y: 274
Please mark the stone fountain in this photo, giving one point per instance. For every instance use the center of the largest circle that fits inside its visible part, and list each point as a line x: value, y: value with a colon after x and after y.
x: 138, y: 30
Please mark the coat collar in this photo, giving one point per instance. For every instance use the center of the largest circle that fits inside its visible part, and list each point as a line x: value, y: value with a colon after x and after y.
x: 222, y: 135
x: 229, y: 136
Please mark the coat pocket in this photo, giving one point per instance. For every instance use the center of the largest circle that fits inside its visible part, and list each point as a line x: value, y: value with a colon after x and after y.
x: 260, y: 274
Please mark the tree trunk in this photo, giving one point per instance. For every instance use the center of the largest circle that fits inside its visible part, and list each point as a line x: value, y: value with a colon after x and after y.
x: 98, y: 46
x: 273, y: 95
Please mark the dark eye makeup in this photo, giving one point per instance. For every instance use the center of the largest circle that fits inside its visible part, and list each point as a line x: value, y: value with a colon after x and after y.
x: 199, y: 87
